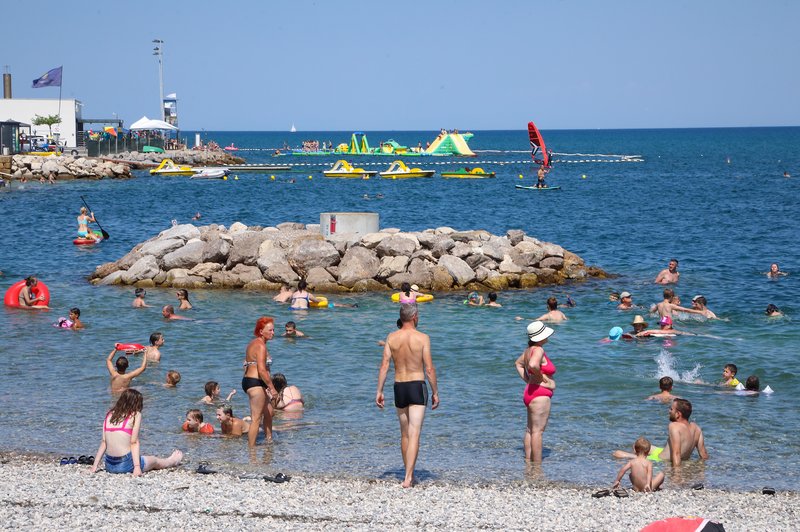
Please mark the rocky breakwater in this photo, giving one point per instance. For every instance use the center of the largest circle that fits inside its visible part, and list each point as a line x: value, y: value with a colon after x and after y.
x: 65, y: 167
x: 190, y: 157
x: 443, y: 259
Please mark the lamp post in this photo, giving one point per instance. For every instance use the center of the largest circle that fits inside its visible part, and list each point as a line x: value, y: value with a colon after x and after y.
x: 159, y: 52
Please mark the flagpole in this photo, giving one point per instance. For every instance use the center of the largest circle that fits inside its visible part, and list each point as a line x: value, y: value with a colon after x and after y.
x: 59, y: 92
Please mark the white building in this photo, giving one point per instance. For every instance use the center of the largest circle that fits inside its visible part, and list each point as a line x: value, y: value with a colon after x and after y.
x: 24, y: 110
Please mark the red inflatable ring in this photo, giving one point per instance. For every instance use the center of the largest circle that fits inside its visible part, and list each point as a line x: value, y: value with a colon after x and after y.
x: 129, y: 348
x: 11, y: 298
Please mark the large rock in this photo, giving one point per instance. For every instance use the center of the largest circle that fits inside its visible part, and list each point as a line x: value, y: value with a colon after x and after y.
x: 458, y: 269
x: 176, y: 273
x: 205, y: 269
x: 552, y: 250
x: 240, y: 275
x: 368, y: 285
x: 555, y: 263
x: 392, y: 266
x: 442, y: 280
x: 49, y: 166
x: 104, y: 270
x: 396, y: 245
x: 112, y: 278
x: 515, y: 236
x: 461, y: 250
x: 270, y: 258
x: 281, y: 273
x: 131, y: 257
x: 371, y: 240
x: 442, y: 246
x: 496, y: 281
x: 509, y: 266
x: 318, y: 278
x: 185, y: 232
x: 420, y: 272
x: 530, y: 254
x: 528, y: 280
x: 358, y: 263
x: 496, y: 249
x: 188, y: 256
x: 245, y: 248
x: 216, y: 250
x: 189, y: 281
x: 307, y: 254
x: 144, y: 268
x: 159, y: 248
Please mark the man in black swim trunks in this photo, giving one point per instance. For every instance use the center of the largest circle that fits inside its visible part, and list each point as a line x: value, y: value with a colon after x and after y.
x: 410, y: 350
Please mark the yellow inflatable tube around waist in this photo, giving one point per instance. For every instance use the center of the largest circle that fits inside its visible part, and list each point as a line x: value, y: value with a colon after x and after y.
x: 421, y: 298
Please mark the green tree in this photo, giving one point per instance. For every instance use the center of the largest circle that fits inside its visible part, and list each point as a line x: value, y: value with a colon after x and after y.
x: 48, y: 121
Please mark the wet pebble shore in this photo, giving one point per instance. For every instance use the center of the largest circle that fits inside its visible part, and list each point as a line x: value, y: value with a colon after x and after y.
x: 36, y: 493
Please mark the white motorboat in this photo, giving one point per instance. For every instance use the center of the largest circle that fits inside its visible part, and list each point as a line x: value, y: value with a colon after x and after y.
x: 211, y: 173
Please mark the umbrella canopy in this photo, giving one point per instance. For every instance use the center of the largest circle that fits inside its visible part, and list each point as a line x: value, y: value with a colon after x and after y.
x: 149, y: 123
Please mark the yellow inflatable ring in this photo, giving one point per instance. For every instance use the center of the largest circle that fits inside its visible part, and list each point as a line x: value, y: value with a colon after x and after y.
x: 321, y: 302
x: 421, y: 298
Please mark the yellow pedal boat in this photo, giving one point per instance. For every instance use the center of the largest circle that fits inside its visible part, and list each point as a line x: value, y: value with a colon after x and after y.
x: 168, y: 167
x: 467, y: 173
x: 344, y: 169
x: 399, y: 170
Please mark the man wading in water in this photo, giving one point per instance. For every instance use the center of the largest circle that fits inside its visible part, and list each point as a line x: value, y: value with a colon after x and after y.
x: 410, y: 350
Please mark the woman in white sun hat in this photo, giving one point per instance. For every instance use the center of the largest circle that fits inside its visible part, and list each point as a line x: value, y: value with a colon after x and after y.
x: 536, y: 370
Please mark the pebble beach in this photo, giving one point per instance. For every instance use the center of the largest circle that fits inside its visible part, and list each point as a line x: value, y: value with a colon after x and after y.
x: 39, y: 494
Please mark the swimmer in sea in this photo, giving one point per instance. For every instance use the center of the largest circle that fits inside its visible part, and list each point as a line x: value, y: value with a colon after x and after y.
x: 168, y: 311
x: 474, y: 299
x: 669, y: 305
x: 290, y: 330
x: 138, y: 301
x: 26, y: 298
x: 729, y: 375
x: 301, y: 298
x: 408, y: 293
x: 194, y: 423
x: 775, y: 271
x: 626, y: 301
x: 666, y: 329
x: 231, y: 425
x: 552, y: 315
x: 670, y: 274
x: 493, y: 300
x: 183, y: 298
x: 197, y: 216
x: 699, y: 304
x: 75, y: 318
x: 173, y: 378
x: 152, y: 352
x: 120, y: 380
x: 213, y: 391
x: 683, y: 437
x: 290, y: 399
x: 665, y: 395
x: 284, y: 295
x: 773, y: 311
x: 639, y: 325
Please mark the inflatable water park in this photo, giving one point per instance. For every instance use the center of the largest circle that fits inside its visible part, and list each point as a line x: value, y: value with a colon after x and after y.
x: 447, y: 143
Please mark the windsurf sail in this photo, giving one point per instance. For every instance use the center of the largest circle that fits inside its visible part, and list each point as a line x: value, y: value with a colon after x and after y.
x: 537, y: 146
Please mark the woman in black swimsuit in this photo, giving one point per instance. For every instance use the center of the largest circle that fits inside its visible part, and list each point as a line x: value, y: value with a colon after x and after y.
x: 257, y: 382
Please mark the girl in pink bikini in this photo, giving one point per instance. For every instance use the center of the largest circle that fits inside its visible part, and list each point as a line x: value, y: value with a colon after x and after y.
x: 120, y: 443
x: 536, y: 370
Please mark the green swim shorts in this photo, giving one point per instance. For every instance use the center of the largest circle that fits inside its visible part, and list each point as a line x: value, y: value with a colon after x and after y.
x: 654, y: 454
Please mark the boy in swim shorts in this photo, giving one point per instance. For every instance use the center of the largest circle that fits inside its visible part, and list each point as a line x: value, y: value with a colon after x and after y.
x: 641, y: 469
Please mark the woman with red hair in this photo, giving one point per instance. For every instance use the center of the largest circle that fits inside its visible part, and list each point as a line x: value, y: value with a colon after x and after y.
x: 257, y: 381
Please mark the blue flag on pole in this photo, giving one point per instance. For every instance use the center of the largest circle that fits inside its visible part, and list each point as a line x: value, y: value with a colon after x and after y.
x: 51, y: 79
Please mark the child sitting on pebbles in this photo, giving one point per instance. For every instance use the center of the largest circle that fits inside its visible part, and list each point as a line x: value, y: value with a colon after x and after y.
x: 641, y: 469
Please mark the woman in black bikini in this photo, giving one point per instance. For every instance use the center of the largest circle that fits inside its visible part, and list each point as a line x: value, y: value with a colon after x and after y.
x: 257, y: 382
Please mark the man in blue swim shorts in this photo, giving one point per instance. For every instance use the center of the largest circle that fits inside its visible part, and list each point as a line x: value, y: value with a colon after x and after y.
x: 410, y: 350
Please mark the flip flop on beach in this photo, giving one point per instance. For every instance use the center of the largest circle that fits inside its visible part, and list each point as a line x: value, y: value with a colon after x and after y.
x: 203, y: 469
x: 601, y: 493
x: 768, y: 491
x: 620, y: 493
x: 698, y: 486
x: 278, y: 479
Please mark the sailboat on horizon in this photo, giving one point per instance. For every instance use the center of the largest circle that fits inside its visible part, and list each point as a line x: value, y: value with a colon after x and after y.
x: 294, y: 129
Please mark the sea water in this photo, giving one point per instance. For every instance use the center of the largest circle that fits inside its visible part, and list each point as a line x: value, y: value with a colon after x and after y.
x: 716, y: 199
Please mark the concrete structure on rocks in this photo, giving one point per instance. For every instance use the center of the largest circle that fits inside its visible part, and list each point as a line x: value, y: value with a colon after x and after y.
x: 443, y: 259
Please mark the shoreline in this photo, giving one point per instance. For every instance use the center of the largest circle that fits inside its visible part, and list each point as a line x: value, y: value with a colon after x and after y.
x: 38, y: 493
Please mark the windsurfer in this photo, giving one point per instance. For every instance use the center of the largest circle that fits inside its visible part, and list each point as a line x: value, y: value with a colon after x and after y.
x: 540, y: 175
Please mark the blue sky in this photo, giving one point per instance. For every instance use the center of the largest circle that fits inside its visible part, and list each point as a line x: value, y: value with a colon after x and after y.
x: 347, y: 65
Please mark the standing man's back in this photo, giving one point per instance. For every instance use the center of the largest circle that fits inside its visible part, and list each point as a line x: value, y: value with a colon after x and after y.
x: 410, y: 350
